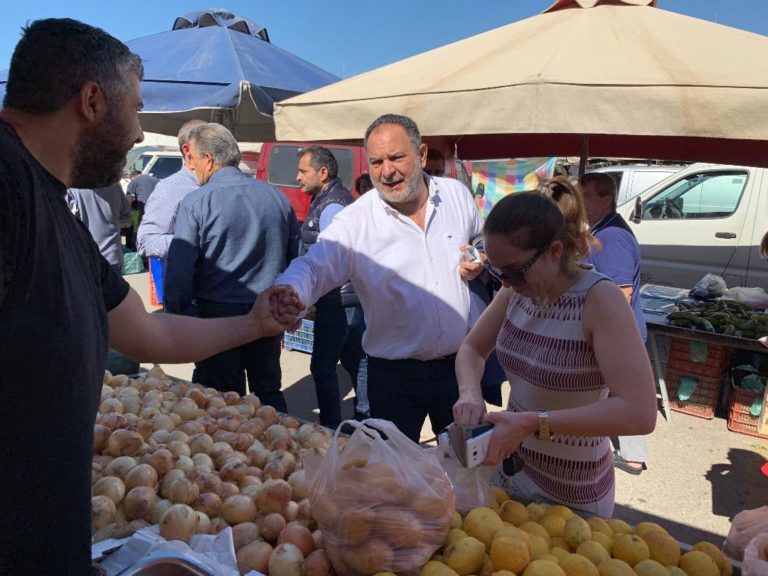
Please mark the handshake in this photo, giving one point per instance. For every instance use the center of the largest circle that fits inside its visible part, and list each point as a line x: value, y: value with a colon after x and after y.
x: 276, y: 310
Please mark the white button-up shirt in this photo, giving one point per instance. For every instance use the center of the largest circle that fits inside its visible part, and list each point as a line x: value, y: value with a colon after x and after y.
x: 407, y: 279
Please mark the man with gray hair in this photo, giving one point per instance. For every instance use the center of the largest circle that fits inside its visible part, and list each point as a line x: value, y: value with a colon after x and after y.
x: 233, y: 236
x: 61, y: 303
x: 401, y: 248
x: 156, y: 228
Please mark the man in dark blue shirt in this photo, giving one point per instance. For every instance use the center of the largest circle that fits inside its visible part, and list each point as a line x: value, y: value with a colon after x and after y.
x: 233, y: 236
x: 619, y: 259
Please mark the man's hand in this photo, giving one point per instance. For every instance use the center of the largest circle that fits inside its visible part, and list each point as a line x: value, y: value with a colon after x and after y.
x: 468, y: 268
x: 276, y: 310
x: 286, y: 307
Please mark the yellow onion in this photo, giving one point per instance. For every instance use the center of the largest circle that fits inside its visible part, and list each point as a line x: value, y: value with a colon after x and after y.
x: 178, y: 523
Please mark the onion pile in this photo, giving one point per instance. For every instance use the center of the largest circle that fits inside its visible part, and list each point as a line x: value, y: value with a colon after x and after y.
x: 195, y: 461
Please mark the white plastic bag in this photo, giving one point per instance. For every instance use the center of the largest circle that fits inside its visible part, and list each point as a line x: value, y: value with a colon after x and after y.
x: 756, y: 298
x: 745, y: 526
x: 756, y: 557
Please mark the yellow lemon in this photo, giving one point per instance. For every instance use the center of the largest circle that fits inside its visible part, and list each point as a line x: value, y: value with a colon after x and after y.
x: 502, y: 573
x: 536, y: 529
x: 510, y: 554
x: 563, y: 511
x: 594, y: 551
x: 558, y: 541
x: 698, y: 563
x: 559, y: 552
x: 604, y: 539
x: 630, y: 548
x: 454, y: 535
x: 543, y: 568
x: 599, y: 525
x: 433, y: 568
x: 513, y: 532
x: 578, y: 565
x: 663, y: 548
x: 513, y: 512
x: 536, y: 510
x: 456, y: 520
x: 615, y: 567
x: 466, y: 556
x: 643, y: 527
x: 539, y: 547
x: 619, y: 526
x: 481, y: 523
x: 723, y: 564
x: 675, y: 571
x: 577, y: 531
x: 500, y: 495
x: 553, y: 523
x: 487, y: 568
x: 650, y: 568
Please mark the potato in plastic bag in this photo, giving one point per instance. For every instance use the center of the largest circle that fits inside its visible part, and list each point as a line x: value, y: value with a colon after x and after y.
x: 381, y: 501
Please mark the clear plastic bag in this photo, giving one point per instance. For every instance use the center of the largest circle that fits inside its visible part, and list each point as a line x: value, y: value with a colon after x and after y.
x: 756, y: 557
x: 383, y: 503
x: 745, y: 526
x: 710, y: 286
x: 470, y: 485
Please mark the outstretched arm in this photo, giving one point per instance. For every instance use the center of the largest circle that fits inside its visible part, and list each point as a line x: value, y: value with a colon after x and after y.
x: 172, y: 338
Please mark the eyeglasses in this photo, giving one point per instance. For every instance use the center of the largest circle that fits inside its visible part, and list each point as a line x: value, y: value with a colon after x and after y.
x: 514, y: 277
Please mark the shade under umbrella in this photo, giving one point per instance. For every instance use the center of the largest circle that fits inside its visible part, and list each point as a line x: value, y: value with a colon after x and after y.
x: 638, y: 80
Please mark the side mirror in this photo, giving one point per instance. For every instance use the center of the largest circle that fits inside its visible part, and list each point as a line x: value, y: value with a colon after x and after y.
x: 479, y: 192
x: 637, y: 213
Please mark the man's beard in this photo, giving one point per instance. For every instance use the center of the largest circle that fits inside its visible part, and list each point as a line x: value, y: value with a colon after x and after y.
x: 98, y: 157
x: 412, y: 186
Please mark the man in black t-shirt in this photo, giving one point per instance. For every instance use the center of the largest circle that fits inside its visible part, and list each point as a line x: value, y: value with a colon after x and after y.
x: 61, y: 303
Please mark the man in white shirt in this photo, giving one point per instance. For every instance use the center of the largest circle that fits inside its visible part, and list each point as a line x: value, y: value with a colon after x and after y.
x: 401, y: 248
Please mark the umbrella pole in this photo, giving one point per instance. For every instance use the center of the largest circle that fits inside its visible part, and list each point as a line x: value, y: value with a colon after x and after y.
x: 584, y: 154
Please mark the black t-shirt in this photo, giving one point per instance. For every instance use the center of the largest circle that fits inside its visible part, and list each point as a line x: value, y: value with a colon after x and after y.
x: 55, y: 292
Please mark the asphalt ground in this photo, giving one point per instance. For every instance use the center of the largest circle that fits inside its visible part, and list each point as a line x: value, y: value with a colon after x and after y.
x: 699, y: 474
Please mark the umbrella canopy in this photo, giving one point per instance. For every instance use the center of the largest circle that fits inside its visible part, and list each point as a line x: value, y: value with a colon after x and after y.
x: 218, y: 67
x: 638, y: 80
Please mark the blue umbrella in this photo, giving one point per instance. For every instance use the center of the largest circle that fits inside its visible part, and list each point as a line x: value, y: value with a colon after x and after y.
x: 218, y: 67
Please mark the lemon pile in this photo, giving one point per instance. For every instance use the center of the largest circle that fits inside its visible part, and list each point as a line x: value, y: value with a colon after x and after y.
x: 551, y: 540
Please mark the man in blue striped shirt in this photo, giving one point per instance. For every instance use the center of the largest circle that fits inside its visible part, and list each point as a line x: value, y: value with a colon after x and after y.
x: 156, y: 230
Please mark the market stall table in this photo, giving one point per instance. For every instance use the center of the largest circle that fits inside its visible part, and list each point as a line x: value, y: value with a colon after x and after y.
x: 657, y: 302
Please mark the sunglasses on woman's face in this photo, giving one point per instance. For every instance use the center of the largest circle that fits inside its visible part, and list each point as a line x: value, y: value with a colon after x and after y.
x: 514, y: 277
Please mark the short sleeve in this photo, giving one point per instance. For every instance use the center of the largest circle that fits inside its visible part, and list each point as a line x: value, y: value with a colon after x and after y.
x: 114, y: 288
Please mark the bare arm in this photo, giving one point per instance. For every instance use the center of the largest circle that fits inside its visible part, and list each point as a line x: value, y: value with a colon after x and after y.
x: 470, y: 359
x: 631, y: 408
x: 171, y: 338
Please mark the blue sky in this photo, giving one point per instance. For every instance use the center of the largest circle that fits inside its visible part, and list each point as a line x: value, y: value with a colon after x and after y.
x: 346, y: 37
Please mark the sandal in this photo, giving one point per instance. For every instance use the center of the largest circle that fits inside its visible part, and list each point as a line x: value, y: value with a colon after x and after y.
x: 624, y: 465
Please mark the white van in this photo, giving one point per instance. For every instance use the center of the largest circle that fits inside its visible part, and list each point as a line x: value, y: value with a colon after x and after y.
x: 632, y: 179
x: 704, y: 218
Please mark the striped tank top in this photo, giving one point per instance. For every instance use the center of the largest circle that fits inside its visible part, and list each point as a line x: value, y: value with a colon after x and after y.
x: 550, y: 366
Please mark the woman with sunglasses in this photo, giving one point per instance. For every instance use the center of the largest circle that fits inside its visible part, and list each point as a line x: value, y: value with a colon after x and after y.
x: 576, y: 363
